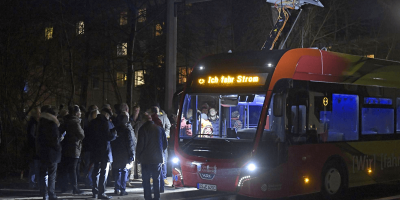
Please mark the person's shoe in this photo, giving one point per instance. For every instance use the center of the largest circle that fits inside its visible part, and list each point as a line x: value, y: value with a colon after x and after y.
x: 104, y: 196
x: 78, y: 191
x: 94, y: 196
x: 116, y: 192
x: 123, y: 193
x: 166, y: 182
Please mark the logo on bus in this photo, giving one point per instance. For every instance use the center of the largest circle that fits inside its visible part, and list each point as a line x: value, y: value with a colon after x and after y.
x: 369, y: 162
x: 206, y: 176
x: 325, y: 101
x: 207, y: 169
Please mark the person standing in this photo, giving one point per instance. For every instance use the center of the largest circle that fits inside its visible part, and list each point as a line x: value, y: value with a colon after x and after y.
x: 49, y: 151
x: 32, y: 159
x: 123, y: 150
x: 136, y: 122
x: 72, y: 146
x: 149, y: 152
x: 87, y: 146
x: 102, y: 132
x: 162, y: 115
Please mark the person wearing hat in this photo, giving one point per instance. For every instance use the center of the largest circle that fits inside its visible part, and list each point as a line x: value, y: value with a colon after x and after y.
x: 123, y: 150
x: 72, y: 146
x: 102, y: 132
x: 48, y: 148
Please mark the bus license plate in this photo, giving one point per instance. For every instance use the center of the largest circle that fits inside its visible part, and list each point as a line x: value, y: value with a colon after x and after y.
x: 202, y: 186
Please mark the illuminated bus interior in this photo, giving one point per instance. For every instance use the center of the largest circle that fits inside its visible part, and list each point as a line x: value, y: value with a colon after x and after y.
x: 233, y: 116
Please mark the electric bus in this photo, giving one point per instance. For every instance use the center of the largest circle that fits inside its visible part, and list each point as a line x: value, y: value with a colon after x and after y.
x: 281, y: 123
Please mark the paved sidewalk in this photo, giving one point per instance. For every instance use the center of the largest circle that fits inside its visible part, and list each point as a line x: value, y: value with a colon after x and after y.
x: 134, y: 193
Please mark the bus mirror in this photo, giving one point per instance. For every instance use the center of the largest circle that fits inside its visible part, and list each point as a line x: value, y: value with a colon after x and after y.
x: 278, y: 105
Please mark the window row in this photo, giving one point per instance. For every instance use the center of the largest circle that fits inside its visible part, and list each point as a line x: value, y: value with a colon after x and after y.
x: 341, y: 118
x: 139, y: 78
x: 123, y: 20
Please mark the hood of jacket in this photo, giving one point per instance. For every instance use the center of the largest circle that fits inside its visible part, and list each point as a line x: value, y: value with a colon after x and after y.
x: 70, y: 117
x: 50, y: 117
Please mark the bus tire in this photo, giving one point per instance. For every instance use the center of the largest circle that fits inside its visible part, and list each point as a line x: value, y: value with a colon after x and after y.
x: 334, y: 180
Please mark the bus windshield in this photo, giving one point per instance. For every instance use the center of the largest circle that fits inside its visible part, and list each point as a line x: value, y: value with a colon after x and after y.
x: 213, y: 116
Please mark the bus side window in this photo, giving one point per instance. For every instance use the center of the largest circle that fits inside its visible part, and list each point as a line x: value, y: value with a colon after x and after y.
x: 339, y: 118
x: 398, y: 115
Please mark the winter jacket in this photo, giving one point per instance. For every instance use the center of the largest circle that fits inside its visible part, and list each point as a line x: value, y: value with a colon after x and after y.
x: 136, y: 126
x: 165, y: 122
x: 48, y: 146
x: 123, y: 147
x: 72, y: 143
x: 100, y: 137
x: 151, y: 143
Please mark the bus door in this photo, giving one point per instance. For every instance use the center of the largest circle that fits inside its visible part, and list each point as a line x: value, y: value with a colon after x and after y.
x: 299, y: 136
x: 272, y: 150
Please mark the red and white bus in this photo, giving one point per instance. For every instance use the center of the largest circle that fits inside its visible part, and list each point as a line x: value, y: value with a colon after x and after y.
x: 289, y: 122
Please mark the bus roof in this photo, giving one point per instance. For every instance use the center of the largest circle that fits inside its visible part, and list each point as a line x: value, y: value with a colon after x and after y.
x: 299, y: 64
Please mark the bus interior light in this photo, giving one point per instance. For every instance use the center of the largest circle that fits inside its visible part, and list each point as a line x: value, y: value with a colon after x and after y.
x: 175, y: 160
x: 269, y: 65
x: 201, y: 67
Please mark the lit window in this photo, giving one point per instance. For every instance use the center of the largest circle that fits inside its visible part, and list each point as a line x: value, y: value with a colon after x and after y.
x: 142, y: 15
x: 122, y: 49
x: 139, y: 77
x: 80, y: 28
x: 158, y: 29
x: 123, y: 18
x: 183, y: 72
x: 160, y: 59
x: 48, y: 33
x: 121, y: 79
x: 370, y: 56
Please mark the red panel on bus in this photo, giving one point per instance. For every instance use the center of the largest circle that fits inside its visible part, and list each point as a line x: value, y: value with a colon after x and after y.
x: 333, y: 65
x: 309, y: 64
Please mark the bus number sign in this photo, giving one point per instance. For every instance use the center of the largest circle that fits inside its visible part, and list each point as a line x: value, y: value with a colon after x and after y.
x: 233, y: 80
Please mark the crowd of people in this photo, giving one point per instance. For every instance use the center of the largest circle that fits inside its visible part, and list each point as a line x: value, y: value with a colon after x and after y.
x: 75, y: 145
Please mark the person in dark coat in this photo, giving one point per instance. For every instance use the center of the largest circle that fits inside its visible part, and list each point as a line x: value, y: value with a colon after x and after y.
x: 32, y: 159
x: 49, y: 151
x: 166, y: 125
x: 151, y: 143
x: 123, y: 150
x: 102, y: 132
x: 87, y: 146
x: 71, y: 149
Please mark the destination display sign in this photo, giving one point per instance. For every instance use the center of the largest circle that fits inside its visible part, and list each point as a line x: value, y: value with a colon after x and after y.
x: 233, y: 80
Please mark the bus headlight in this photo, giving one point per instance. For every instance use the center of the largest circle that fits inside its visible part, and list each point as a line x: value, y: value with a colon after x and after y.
x: 251, y: 167
x: 175, y: 160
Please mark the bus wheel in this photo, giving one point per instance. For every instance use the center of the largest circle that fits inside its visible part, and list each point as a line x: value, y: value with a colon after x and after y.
x: 334, y: 180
